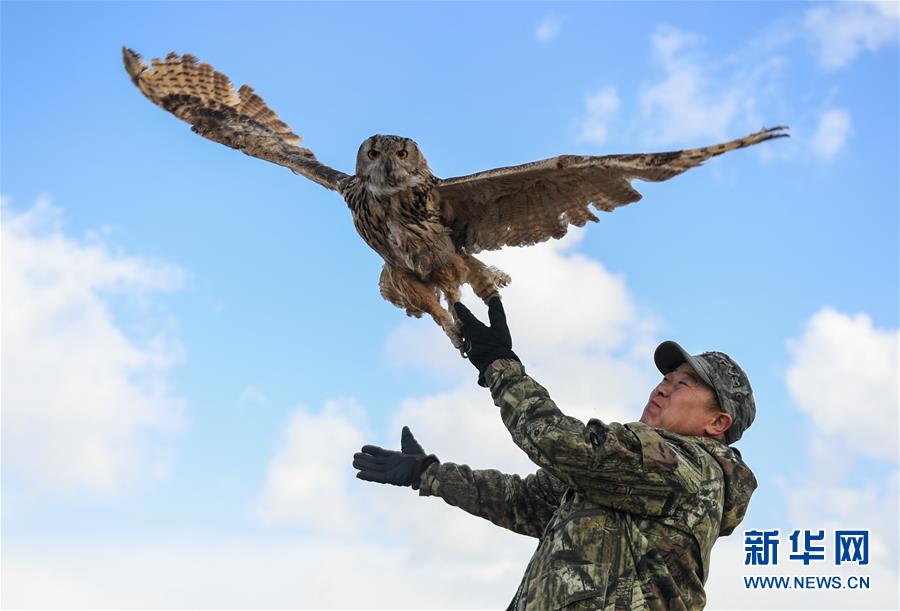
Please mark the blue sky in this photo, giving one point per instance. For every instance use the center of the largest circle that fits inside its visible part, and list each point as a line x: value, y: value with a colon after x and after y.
x: 194, y: 343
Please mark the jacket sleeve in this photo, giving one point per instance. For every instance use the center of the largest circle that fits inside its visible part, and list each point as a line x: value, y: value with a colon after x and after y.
x: 627, y: 467
x: 521, y: 505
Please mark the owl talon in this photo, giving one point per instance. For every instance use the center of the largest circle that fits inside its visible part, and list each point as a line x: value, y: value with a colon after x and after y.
x: 453, y: 332
x: 455, y: 338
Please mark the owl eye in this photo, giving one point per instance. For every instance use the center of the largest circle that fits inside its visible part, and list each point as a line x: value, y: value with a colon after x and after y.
x: 402, y: 154
x: 373, y: 154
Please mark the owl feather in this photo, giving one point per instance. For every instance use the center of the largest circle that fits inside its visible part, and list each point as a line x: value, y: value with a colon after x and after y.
x: 200, y: 95
x: 529, y: 203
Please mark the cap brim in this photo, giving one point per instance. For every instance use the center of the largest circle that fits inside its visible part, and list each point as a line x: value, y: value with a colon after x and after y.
x: 669, y: 355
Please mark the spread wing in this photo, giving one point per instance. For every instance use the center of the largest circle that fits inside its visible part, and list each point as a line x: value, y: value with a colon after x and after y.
x: 530, y: 203
x: 205, y: 98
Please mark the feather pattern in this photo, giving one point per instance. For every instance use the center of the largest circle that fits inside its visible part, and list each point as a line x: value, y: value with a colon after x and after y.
x: 200, y: 95
x: 533, y: 202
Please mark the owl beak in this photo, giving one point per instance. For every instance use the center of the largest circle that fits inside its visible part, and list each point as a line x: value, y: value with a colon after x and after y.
x: 389, y: 169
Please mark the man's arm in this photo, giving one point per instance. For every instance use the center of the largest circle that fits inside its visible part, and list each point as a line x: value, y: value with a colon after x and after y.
x: 521, y: 505
x: 629, y: 467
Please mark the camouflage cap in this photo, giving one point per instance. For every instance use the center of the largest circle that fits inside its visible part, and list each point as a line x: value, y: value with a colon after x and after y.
x: 723, y: 375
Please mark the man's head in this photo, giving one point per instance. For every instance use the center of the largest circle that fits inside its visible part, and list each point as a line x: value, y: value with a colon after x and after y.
x: 706, y: 395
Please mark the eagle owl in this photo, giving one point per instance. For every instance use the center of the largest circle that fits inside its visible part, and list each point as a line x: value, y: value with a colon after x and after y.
x: 427, y: 229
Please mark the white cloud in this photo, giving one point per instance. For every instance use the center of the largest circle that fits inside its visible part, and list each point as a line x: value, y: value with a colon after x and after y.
x: 465, y: 562
x: 253, y: 397
x: 835, y: 126
x: 405, y: 551
x: 842, y: 31
x: 868, y: 504
x: 546, y: 277
x: 548, y: 28
x: 689, y: 103
x: 697, y: 98
x: 306, y: 481
x: 239, y: 573
x: 844, y: 374
x: 600, y: 108
x: 462, y: 425
x: 593, y: 353
x: 419, y: 345
x: 887, y: 8
x: 83, y: 403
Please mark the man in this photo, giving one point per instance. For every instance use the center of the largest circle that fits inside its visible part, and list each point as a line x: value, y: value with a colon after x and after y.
x: 626, y: 514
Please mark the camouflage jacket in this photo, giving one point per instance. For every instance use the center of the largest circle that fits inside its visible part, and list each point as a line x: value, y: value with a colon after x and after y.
x: 626, y: 514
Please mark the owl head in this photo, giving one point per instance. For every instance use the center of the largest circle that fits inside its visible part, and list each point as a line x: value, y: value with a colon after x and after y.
x: 391, y: 163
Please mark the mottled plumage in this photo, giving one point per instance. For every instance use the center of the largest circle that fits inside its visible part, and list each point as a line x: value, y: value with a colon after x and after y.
x: 426, y: 229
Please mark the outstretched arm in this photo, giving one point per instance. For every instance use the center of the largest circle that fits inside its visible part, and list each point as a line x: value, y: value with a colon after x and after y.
x: 521, y: 505
x: 628, y: 467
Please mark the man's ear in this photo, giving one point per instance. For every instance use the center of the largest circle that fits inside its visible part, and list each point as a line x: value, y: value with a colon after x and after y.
x: 719, y: 425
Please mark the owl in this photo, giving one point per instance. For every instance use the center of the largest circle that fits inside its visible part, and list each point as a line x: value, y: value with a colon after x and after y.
x: 426, y: 229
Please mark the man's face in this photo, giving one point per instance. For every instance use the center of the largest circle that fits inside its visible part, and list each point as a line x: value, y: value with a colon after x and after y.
x: 681, y: 403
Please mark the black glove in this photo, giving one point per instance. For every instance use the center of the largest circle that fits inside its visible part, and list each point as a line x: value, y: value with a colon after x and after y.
x: 403, y: 468
x: 484, y: 345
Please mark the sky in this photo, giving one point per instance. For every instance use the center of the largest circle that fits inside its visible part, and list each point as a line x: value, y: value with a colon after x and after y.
x: 193, y: 342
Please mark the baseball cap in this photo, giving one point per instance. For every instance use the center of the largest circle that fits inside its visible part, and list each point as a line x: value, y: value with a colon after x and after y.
x: 723, y: 375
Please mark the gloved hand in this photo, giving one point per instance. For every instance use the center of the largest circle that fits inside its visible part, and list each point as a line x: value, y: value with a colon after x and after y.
x: 403, y: 468
x: 484, y: 345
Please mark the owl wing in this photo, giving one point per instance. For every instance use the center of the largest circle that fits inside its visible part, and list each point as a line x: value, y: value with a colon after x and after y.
x: 530, y: 203
x: 205, y: 98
